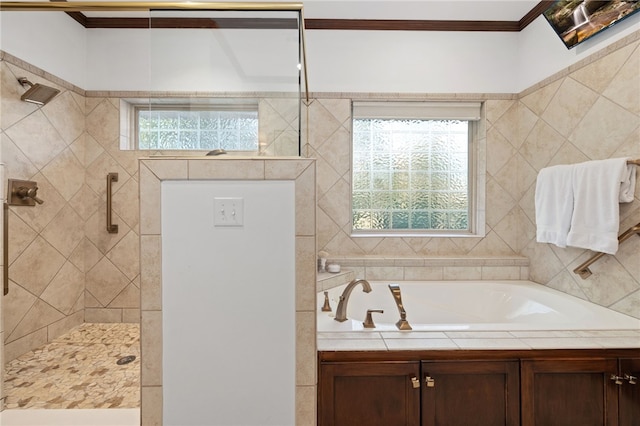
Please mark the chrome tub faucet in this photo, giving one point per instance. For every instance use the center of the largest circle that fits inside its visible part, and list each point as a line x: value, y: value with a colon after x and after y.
x: 341, y: 310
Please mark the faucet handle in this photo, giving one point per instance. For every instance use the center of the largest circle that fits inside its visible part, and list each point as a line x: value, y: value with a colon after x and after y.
x: 326, y: 307
x: 368, y: 321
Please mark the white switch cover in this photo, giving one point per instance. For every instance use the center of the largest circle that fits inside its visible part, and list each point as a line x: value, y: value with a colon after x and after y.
x: 228, y: 211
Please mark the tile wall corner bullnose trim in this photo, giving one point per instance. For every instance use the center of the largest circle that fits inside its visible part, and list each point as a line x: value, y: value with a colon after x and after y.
x: 151, y: 390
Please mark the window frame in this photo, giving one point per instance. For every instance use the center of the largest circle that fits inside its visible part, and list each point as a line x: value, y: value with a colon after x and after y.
x: 473, y: 113
x: 129, y: 109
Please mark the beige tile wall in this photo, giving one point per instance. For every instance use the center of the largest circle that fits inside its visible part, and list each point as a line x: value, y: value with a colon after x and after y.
x: 65, y: 268
x: 113, y: 272
x: 46, y: 242
x: 330, y: 141
x: 589, y: 112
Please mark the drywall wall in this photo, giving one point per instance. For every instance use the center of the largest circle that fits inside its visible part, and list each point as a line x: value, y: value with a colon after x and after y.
x: 411, y: 61
x: 228, y: 293
x: 541, y: 53
x: 193, y: 60
x: 51, y: 41
x: 338, y: 61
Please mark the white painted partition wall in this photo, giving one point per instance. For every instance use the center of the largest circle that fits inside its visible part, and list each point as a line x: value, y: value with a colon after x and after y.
x: 228, y: 300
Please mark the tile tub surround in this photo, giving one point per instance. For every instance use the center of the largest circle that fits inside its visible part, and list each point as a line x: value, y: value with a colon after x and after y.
x: 328, y: 280
x: 78, y: 370
x: 591, y: 111
x: 156, y: 169
x: 588, y: 111
x: 437, y: 268
x: 478, y: 340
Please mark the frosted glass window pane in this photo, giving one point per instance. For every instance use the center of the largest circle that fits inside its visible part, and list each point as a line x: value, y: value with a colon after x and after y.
x: 401, y: 200
x: 420, y: 200
x: 381, y: 200
x: 362, y: 200
x: 380, y: 220
x: 400, y: 220
x: 361, y: 180
x: 420, y: 220
x: 400, y: 180
x: 197, y: 129
x: 381, y: 181
x: 417, y: 172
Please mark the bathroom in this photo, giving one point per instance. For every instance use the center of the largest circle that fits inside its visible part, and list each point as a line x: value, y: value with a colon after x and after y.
x: 538, y: 112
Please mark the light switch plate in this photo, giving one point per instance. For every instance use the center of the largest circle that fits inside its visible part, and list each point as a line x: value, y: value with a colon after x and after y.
x: 228, y: 211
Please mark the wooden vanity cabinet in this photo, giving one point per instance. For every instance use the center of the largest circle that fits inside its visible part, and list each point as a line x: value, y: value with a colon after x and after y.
x: 629, y: 397
x: 369, y: 393
x: 569, y: 392
x: 465, y: 393
x: 568, y: 387
x: 482, y: 393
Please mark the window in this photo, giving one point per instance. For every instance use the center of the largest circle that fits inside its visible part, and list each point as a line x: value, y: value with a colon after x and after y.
x: 175, y: 125
x: 412, y: 168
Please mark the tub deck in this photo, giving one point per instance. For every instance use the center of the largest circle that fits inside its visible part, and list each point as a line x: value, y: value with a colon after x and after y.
x: 475, y: 315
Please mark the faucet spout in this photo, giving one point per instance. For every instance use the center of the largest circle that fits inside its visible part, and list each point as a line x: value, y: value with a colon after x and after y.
x: 341, y: 310
x: 402, y: 323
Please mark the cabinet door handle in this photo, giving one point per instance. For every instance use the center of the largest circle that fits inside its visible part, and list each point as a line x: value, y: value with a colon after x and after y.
x: 618, y: 380
x: 430, y: 381
x: 631, y: 379
x: 415, y: 383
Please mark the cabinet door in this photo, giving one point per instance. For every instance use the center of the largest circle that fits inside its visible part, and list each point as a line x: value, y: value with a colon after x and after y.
x: 569, y: 392
x: 369, y: 393
x: 629, y: 404
x: 482, y: 393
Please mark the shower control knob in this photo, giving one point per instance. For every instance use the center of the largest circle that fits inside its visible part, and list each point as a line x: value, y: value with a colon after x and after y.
x: 24, y: 192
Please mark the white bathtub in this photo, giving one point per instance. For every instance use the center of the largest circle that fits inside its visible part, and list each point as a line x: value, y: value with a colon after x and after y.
x: 471, y: 305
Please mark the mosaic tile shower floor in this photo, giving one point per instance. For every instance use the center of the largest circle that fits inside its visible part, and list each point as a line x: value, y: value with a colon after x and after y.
x: 78, y: 370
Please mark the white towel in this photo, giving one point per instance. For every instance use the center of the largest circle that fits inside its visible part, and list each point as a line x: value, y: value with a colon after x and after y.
x: 554, y: 204
x: 628, y: 185
x: 596, y: 211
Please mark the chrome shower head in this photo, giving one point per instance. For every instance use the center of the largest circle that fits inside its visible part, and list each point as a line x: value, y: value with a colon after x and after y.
x: 38, y: 93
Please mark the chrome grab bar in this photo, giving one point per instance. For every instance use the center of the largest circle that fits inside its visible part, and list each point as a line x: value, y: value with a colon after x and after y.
x: 111, y: 227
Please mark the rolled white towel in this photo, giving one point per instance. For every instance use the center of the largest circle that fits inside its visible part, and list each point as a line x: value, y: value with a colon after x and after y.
x: 628, y: 182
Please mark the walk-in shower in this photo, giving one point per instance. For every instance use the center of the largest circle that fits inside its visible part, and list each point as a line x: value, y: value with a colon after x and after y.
x: 38, y: 94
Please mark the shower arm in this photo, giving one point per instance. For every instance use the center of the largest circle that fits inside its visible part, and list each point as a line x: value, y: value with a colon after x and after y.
x: 23, y: 81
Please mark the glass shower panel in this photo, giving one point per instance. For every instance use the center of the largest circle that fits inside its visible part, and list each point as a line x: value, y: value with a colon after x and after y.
x: 223, y: 80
